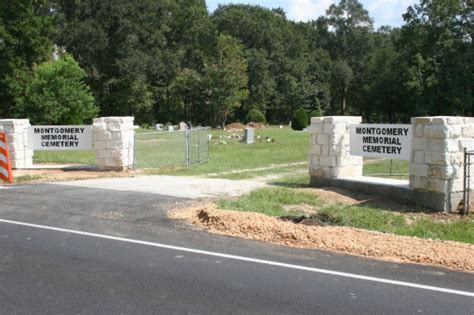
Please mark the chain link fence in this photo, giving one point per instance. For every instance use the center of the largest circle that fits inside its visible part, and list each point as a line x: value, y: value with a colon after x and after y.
x: 397, y: 169
x: 180, y: 148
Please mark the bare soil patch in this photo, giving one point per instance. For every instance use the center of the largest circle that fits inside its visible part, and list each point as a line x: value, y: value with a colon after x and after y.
x: 256, y: 125
x: 53, y: 175
x: 240, y: 127
x: 354, y: 241
x: 411, y: 211
x: 234, y: 127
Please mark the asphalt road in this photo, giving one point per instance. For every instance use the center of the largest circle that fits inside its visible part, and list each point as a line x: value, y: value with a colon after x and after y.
x: 139, y: 261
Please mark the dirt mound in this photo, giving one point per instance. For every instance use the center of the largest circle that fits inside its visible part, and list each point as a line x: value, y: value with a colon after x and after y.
x: 256, y: 125
x: 240, y: 127
x: 234, y: 126
x: 342, y: 239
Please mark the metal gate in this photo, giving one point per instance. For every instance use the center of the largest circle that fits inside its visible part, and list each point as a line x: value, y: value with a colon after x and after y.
x: 165, y: 149
x: 467, y: 181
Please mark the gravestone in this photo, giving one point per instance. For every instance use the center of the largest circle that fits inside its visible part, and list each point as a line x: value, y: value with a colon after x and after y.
x: 249, y: 135
x: 183, y: 126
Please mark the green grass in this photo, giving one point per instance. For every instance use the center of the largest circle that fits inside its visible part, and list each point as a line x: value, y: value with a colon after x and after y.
x: 228, y: 155
x: 272, y: 201
x: 27, y: 178
x: 372, y: 167
x: 164, y: 154
x: 65, y: 157
x: 462, y: 230
x: 381, y: 168
x: 362, y: 217
x: 160, y: 149
x: 294, y: 180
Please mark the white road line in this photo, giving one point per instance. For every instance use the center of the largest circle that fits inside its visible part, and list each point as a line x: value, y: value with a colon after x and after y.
x: 248, y: 259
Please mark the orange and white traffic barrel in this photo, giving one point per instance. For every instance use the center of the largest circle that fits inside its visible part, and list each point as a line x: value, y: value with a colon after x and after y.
x: 5, y: 166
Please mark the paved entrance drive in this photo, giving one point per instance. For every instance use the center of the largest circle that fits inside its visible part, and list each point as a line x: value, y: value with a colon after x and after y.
x: 67, y: 248
x: 177, y: 186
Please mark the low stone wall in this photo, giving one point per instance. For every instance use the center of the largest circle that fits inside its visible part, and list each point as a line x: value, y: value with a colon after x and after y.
x: 436, y: 164
x: 113, y: 142
x: 17, y: 133
x: 113, y: 139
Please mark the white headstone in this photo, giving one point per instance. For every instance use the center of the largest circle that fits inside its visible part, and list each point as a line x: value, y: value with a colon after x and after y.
x: 249, y: 135
x: 183, y: 126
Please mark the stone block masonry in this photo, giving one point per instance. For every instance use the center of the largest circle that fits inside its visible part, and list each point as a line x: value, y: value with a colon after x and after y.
x: 329, y: 148
x: 436, y: 166
x: 436, y: 160
x: 113, y: 139
x: 17, y: 133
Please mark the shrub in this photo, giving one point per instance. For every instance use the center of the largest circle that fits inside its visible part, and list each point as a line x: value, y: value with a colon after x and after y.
x: 254, y: 115
x: 315, y: 113
x: 56, y: 94
x: 300, y: 119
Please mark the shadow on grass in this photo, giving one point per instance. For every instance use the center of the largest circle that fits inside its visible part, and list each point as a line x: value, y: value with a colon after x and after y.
x: 288, y: 185
x: 356, y: 199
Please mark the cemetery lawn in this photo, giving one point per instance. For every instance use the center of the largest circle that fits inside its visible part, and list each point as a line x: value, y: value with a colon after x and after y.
x: 275, y: 151
x: 288, y: 146
x: 86, y: 157
x: 381, y: 168
x: 292, y: 199
x: 228, y: 155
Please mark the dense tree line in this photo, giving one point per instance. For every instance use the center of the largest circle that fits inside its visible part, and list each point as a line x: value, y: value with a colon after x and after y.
x: 171, y: 60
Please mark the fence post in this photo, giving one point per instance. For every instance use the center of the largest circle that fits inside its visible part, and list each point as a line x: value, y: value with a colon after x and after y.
x: 199, y: 145
x: 186, y: 135
x: 467, y: 182
x: 134, y: 150
x: 208, y: 143
x: 468, y: 192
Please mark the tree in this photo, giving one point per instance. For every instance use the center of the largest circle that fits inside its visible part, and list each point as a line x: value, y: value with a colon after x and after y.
x: 341, y: 78
x: 385, y: 97
x: 226, y: 79
x: 350, y: 42
x: 437, y: 43
x: 132, y: 51
x: 56, y: 94
x: 262, y: 48
x: 256, y: 116
x: 26, y: 30
x: 284, y: 70
x: 187, y: 91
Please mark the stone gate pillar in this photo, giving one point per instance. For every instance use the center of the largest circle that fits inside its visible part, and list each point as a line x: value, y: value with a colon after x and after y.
x: 436, y: 165
x: 329, y: 155
x: 113, y: 139
x: 17, y: 133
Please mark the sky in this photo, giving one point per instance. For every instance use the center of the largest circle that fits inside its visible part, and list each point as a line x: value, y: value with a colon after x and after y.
x: 383, y: 12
